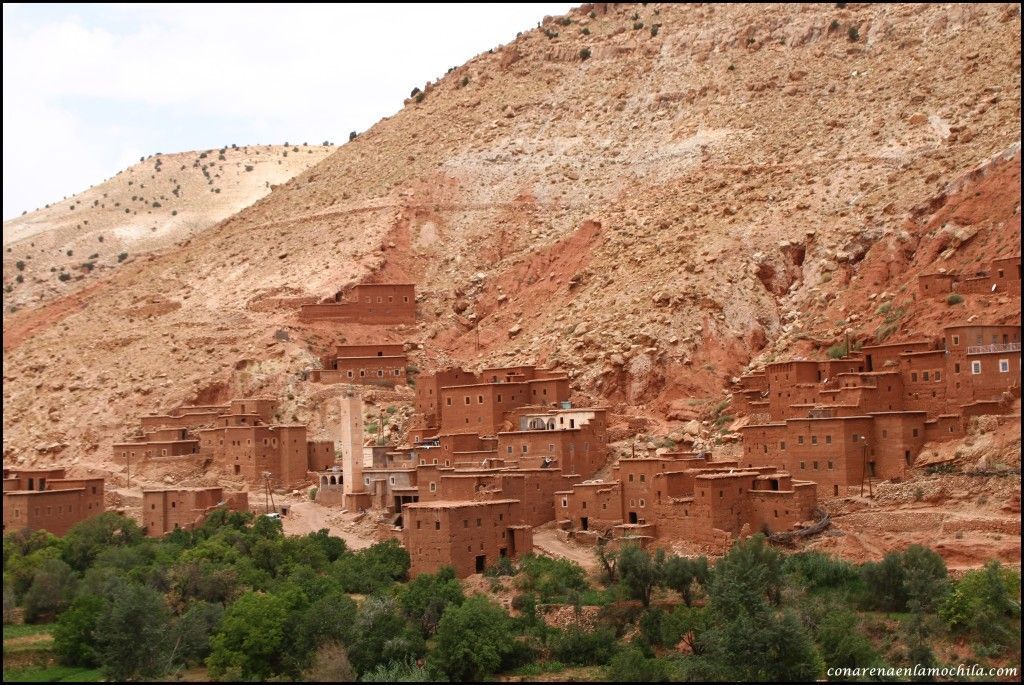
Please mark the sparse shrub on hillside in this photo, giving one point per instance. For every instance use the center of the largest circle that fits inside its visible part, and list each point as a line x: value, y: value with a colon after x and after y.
x: 654, y: 30
x: 550, y: 33
x: 19, y: 278
x: 99, y: 238
x: 352, y: 136
x: 585, y: 53
x: 565, y: 21
x: 420, y: 97
x: 954, y: 298
x: 414, y: 92
x: 156, y: 204
x: 732, y: 67
x: 834, y: 26
x: 837, y: 351
x: 8, y: 288
x: 70, y: 252
x: 20, y: 265
x: 464, y: 82
x: 637, y: 25
x: 123, y: 256
x: 585, y: 31
x: 853, y: 34
x: 222, y: 157
x: 174, y: 212
x: 249, y: 167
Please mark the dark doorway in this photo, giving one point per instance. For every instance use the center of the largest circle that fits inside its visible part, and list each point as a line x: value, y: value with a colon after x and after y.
x: 481, y: 563
x: 584, y: 523
x: 238, y: 469
x: 835, y: 490
x: 871, y: 469
x: 871, y: 364
x: 775, y: 484
x: 503, y: 552
x: 632, y: 517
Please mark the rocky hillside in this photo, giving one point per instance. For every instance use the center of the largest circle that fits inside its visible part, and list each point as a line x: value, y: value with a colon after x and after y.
x: 652, y: 196
x: 152, y: 205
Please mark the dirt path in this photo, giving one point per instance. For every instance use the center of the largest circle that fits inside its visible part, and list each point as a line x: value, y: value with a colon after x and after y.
x: 309, y: 517
x: 546, y: 541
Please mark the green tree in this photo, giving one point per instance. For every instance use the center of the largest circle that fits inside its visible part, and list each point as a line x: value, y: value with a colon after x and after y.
x: 763, y: 645
x: 472, y: 640
x: 681, y: 573
x: 249, y: 642
x: 842, y: 644
x: 328, y: 620
x: 381, y: 634
x: 74, y: 635
x: 191, y: 633
x: 53, y: 587
x: 131, y: 634
x: 886, y: 581
x: 640, y: 571
x: 747, y: 577
x: 985, y: 603
x: 425, y: 598
x: 87, y: 539
x: 925, y: 578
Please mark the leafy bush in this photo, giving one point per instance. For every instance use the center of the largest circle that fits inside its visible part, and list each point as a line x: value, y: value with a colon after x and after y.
x: 574, y: 645
x: 632, y: 665
x: 425, y: 599
x: 853, y: 34
x: 954, y: 298
x: 554, y: 579
x: 585, y: 54
x: 123, y: 256
x: 74, y: 635
x: 985, y: 603
x: 472, y: 640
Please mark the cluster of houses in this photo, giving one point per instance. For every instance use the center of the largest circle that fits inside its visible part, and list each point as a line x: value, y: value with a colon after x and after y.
x: 492, y: 454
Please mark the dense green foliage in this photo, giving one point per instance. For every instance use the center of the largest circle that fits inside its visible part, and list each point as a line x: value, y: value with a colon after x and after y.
x: 248, y: 603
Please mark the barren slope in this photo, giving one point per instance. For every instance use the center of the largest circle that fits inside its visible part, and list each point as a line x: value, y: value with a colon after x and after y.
x: 650, y: 217
x: 162, y: 200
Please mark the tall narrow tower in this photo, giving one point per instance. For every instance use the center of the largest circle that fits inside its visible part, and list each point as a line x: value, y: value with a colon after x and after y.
x: 356, y: 496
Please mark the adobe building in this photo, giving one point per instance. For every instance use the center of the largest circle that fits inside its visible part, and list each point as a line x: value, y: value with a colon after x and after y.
x: 373, y: 304
x: 239, y: 437
x: 1002, y: 275
x: 44, y: 499
x: 487, y: 453
x: 364, y: 364
x: 845, y: 422
x: 467, y: 535
x: 687, y: 498
x: 165, y: 509
x: 457, y: 401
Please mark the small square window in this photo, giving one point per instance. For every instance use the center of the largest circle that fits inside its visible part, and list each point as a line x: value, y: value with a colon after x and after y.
x: 1004, y: 366
x: 976, y: 367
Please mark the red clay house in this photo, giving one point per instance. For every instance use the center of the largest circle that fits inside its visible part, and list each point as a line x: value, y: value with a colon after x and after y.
x: 240, y: 438
x: 684, y: 496
x: 44, y: 499
x: 845, y: 422
x: 378, y: 303
x: 164, y: 510
x: 364, y: 364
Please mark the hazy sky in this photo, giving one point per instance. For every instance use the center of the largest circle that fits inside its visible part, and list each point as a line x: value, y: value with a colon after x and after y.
x: 88, y: 89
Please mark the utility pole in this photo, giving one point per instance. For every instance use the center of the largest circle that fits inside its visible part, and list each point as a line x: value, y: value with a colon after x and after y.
x: 128, y: 460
